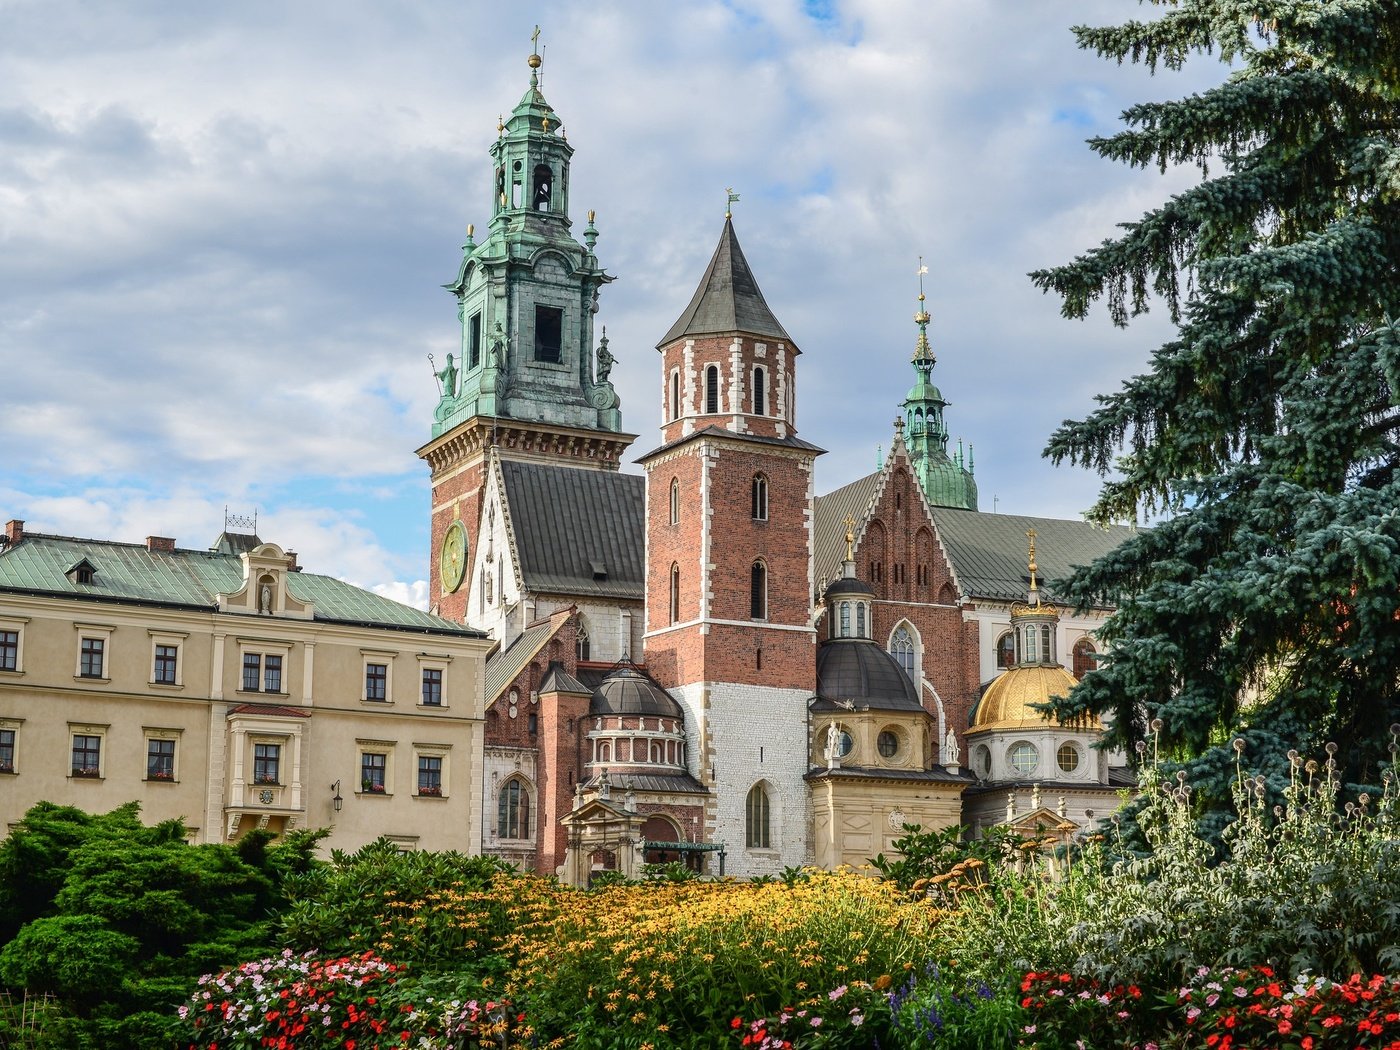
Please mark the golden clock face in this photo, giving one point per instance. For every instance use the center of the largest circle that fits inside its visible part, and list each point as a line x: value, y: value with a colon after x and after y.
x: 452, y: 562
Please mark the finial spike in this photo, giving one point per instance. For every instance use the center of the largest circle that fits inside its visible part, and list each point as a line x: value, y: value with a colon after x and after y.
x: 730, y: 198
x: 1034, y: 595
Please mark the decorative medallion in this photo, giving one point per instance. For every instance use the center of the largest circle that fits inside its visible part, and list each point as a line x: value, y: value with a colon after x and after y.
x: 452, y: 563
x: 265, y: 796
x: 897, y: 819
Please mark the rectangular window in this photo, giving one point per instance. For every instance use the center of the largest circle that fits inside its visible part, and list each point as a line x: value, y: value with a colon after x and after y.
x: 430, y: 775
x: 7, y: 750
x: 432, y: 687
x: 9, y: 650
x: 87, y: 755
x: 252, y: 672
x: 549, y: 334
x: 267, y: 761
x: 474, y: 340
x: 272, y: 674
x: 164, y: 672
x: 376, y: 681
x: 90, y: 658
x: 372, y: 767
x: 160, y: 760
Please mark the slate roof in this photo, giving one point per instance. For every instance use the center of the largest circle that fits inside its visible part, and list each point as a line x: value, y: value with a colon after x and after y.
x: 988, y: 551
x: 938, y: 774
x: 728, y: 299
x: 858, y: 669
x: 829, y: 515
x: 504, y: 665
x: 577, y: 531
x: 558, y: 680
x: 129, y: 572
x: 658, y: 782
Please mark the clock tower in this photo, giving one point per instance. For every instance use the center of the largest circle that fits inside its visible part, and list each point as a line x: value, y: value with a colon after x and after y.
x: 529, y: 380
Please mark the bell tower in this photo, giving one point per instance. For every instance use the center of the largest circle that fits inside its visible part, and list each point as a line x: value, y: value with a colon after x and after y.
x: 729, y: 575
x: 529, y: 380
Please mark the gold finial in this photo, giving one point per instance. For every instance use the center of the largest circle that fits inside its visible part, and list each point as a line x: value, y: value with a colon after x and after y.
x: 471, y: 230
x: 730, y: 198
x: 545, y: 122
x: 922, y: 316
x: 850, y: 524
x: 1035, y: 592
x: 534, y: 60
x: 500, y: 124
x: 591, y: 213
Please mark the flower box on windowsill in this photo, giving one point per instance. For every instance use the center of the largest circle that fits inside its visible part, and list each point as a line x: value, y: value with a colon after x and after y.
x: 168, y: 778
x: 372, y: 789
x: 7, y: 767
x: 430, y: 792
x: 266, y: 781
x: 88, y: 772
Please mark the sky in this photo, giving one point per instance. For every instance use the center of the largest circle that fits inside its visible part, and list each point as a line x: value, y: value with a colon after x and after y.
x: 224, y: 231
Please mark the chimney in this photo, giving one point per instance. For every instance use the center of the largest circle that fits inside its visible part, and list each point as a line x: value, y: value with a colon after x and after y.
x: 160, y: 544
x: 292, y: 565
x: 14, y: 531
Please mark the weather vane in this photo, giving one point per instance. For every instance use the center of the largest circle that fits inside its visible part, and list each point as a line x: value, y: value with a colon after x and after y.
x: 730, y: 198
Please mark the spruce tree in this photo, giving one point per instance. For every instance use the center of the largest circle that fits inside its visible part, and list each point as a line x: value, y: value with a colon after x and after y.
x: 1264, y: 605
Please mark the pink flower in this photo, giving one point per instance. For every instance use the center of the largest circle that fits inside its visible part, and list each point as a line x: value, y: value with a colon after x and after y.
x: 816, y: 1022
x: 836, y: 993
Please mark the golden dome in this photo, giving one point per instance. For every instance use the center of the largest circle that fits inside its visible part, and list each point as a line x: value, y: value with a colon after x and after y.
x: 1007, y: 702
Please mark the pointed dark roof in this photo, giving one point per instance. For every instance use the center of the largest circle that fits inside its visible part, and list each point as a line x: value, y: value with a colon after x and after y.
x: 728, y: 299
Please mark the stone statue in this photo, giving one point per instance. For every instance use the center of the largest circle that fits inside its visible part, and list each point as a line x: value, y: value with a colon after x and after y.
x: 951, y: 752
x: 449, y: 378
x: 265, y: 599
x: 605, y: 359
x: 833, y: 742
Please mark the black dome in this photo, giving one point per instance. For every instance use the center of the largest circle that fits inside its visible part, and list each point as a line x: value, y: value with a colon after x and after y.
x: 627, y: 691
x: 858, y: 669
x: 849, y: 585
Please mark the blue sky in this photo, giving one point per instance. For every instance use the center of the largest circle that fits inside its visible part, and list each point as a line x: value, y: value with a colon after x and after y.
x: 225, y: 229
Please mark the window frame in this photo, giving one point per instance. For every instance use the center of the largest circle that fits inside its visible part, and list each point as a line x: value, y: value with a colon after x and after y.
x: 1067, y: 748
x: 712, y: 398
x: 904, y: 647
x: 541, y: 349
x: 675, y: 593
x: 758, y: 590
x: 428, y: 753
x: 758, y: 501
x: 87, y: 732
x: 267, y: 765
x: 758, y: 391
x: 1022, y: 747
x: 15, y: 626
x: 376, y: 680
x: 758, y: 818
x: 675, y: 507
x: 513, y: 812
x: 102, y: 635
x: 263, y: 651
x: 154, y: 738
x: 10, y: 726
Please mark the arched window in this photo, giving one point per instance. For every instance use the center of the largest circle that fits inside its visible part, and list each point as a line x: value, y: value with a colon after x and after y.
x: 675, y: 501
x: 544, y: 180
x: 675, y: 593
x: 712, y: 390
x: 845, y: 629
x: 675, y: 395
x: 760, y: 497
x: 760, y: 391
x: 513, y: 810
x: 757, y: 819
x: 860, y: 620
x: 605, y: 752
x: 1006, y: 650
x: 582, y: 648
x: 1084, y: 657
x: 758, y: 591
x: 1028, y: 646
x: 903, y: 650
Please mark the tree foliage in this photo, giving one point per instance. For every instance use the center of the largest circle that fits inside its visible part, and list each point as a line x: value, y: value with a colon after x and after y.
x: 1265, y: 605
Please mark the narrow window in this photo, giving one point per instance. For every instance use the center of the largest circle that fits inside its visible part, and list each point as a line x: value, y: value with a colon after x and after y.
x: 372, y: 768
x: 760, y: 498
x: 845, y: 612
x: 474, y: 340
x: 675, y: 593
x: 1047, y: 644
x: 252, y: 672
x: 1028, y: 649
x: 513, y: 811
x: 902, y: 649
x: 272, y: 674
x: 760, y: 394
x: 711, y: 390
x: 675, y: 501
x: 7, y: 750
x: 430, y: 775
x: 675, y: 395
x: 583, y: 647
x: 549, y: 334
x: 376, y: 681
x: 432, y: 687
x: 164, y: 671
x: 544, y: 179
x: 757, y: 819
x: 90, y: 658
x: 160, y: 760
x: 9, y: 650
x: 87, y: 755
x: 758, y: 591
x: 267, y: 763
x: 1006, y: 650
x: 860, y: 620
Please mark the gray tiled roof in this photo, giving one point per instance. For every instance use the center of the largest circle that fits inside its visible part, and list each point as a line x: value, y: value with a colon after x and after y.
x: 656, y: 782
x: 129, y: 572
x: 989, y: 551
x: 937, y: 774
x: 577, y: 531
x: 829, y: 515
x: 558, y: 680
x: 504, y: 665
x: 728, y: 299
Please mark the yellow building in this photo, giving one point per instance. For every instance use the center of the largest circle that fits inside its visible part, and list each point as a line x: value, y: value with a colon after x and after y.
x: 231, y: 690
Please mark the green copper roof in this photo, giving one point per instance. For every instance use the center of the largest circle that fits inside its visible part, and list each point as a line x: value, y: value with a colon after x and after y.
x: 728, y: 299
x: 129, y: 572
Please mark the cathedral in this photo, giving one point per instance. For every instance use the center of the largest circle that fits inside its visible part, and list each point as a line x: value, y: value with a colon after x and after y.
x: 710, y: 662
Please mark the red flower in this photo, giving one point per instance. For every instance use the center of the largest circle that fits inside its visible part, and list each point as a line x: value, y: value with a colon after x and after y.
x: 1284, y: 1027
x: 735, y: 1023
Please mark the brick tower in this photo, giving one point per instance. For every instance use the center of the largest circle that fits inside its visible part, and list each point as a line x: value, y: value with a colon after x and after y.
x: 729, y: 578
x: 524, y: 383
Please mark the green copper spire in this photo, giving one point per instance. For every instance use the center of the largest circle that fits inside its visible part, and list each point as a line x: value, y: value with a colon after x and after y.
x: 528, y: 292
x: 946, y: 482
